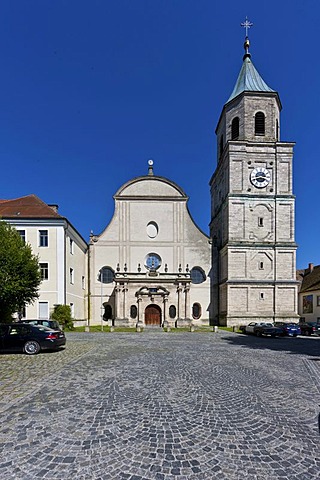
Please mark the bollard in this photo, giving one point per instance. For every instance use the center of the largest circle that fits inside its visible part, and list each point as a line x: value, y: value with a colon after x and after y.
x: 215, y: 329
x: 111, y: 329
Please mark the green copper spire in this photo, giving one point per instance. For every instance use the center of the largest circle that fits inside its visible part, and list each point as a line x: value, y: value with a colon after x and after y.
x: 249, y: 80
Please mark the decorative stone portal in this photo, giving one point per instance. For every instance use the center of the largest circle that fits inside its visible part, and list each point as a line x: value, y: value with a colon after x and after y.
x: 152, y: 315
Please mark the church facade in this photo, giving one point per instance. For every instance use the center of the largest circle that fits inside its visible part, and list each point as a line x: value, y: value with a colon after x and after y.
x: 151, y: 264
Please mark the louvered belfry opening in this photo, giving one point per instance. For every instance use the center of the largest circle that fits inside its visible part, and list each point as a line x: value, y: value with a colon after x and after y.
x: 259, y: 124
x: 235, y: 128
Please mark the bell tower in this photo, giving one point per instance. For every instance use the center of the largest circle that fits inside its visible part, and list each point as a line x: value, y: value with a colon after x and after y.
x: 252, y: 208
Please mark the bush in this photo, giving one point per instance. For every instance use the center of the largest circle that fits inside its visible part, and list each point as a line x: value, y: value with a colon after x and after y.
x: 62, y: 313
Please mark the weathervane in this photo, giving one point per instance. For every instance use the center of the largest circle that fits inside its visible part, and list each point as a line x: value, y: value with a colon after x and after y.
x: 247, y: 24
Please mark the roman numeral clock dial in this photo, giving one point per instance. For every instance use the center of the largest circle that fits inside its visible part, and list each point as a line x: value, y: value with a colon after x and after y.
x: 260, y: 177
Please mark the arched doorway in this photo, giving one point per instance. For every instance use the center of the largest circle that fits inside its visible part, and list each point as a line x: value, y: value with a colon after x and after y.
x: 152, y: 315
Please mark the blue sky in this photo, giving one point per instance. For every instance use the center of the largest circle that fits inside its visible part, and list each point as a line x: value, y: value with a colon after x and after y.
x: 92, y: 89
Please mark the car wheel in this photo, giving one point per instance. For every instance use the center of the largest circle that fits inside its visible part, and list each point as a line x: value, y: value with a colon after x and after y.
x: 31, y: 347
x: 294, y: 335
x: 258, y: 333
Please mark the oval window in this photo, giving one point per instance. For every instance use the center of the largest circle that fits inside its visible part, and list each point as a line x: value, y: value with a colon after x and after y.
x: 197, y: 275
x: 133, y: 311
x: 172, y: 311
x: 107, y: 312
x: 152, y: 229
x: 106, y: 275
x: 196, y: 311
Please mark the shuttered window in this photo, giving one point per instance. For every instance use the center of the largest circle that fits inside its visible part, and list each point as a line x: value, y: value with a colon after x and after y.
x: 259, y: 124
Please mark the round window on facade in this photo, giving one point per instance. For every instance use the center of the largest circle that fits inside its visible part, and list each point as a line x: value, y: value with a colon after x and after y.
x: 152, y: 229
x: 133, y: 311
x: 106, y: 275
x: 172, y: 311
x: 197, y: 275
x: 196, y: 311
x: 152, y: 261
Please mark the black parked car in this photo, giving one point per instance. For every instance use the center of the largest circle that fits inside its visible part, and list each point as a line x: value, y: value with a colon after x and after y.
x: 30, y: 339
x: 309, y: 328
x: 261, y: 328
x: 45, y: 323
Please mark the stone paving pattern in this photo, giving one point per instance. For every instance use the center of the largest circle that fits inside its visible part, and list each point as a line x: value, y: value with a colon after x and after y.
x: 162, y: 406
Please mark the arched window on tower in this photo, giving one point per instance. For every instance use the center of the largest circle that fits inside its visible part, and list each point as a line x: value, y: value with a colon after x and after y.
x: 235, y: 128
x: 259, y: 124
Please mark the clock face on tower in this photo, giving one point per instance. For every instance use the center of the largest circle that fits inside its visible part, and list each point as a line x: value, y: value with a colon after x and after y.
x: 260, y: 177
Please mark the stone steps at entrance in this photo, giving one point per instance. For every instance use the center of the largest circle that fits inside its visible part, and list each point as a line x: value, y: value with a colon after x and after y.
x: 153, y: 328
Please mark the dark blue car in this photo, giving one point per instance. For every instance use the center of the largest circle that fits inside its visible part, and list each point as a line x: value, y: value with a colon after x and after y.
x: 290, y: 329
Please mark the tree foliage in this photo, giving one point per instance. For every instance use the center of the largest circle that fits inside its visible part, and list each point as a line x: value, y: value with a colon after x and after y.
x: 62, y: 313
x: 19, y: 273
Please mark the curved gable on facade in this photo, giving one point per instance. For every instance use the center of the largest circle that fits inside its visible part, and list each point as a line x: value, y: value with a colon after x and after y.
x: 150, y: 186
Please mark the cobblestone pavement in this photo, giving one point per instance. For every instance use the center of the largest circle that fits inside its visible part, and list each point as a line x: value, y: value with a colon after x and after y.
x: 162, y: 406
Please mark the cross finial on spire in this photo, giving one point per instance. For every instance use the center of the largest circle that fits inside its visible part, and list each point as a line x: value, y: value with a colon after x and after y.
x: 247, y: 24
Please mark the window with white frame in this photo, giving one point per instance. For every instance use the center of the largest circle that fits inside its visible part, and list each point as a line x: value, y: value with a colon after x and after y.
x: 72, y: 309
x: 43, y: 310
x: 43, y: 238
x: 83, y: 282
x: 44, y: 271
x: 71, y: 245
x: 22, y: 234
x: 71, y: 275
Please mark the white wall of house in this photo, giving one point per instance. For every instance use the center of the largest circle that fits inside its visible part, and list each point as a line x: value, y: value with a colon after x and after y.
x: 309, y: 306
x: 55, y: 257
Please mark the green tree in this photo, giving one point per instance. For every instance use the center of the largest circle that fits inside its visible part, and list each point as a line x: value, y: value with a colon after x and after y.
x: 62, y: 313
x: 19, y: 273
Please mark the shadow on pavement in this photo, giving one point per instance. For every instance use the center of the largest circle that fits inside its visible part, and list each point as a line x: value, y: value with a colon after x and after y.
x: 309, y: 346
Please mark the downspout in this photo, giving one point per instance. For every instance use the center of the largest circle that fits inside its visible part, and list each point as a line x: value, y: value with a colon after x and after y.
x: 89, y: 288
x: 65, y: 265
x: 275, y: 235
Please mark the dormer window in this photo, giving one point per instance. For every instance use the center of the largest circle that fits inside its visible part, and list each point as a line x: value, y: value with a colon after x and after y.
x: 259, y: 124
x: 235, y: 128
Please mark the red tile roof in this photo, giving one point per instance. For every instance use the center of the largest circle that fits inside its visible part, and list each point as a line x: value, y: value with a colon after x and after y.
x: 29, y: 206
